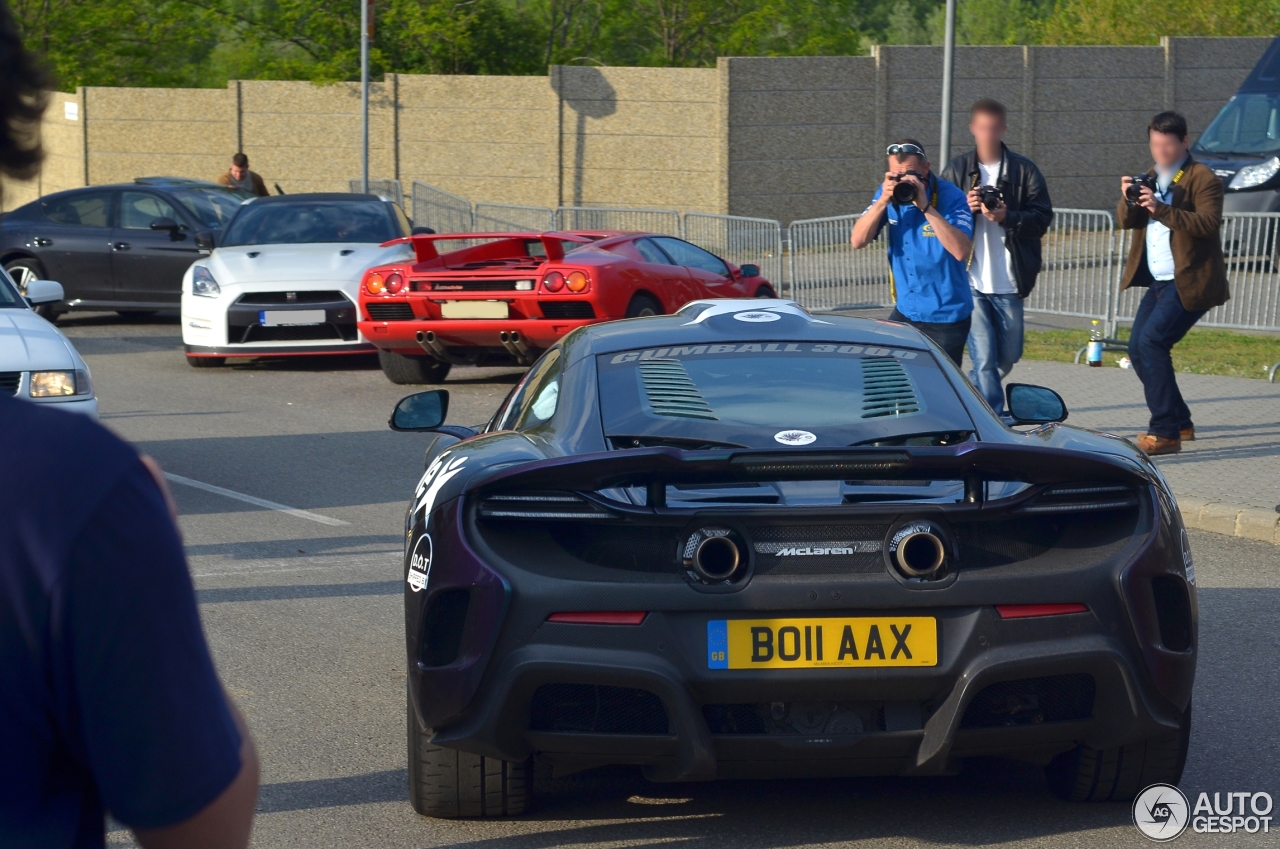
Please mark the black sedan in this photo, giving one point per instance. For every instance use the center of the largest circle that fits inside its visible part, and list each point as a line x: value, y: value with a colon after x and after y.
x: 746, y: 541
x: 122, y: 247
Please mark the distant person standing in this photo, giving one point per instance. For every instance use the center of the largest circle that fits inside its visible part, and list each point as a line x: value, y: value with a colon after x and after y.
x: 1175, y: 211
x: 1011, y: 212
x: 929, y: 231
x: 238, y: 176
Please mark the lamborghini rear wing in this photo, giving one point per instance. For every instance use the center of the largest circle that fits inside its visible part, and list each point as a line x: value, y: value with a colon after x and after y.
x: 655, y: 468
x: 424, y: 246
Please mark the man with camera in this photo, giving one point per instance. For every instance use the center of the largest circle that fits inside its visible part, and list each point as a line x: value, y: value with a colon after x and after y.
x: 930, y: 226
x: 1175, y: 211
x: 1011, y: 212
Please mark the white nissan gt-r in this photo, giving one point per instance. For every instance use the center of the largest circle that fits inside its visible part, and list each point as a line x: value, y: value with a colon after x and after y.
x: 283, y: 276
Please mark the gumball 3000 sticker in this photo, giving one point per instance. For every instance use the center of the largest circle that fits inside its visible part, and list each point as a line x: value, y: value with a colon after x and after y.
x: 437, y: 475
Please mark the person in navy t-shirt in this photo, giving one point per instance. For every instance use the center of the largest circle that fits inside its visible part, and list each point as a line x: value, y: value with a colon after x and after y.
x: 109, y: 702
x: 929, y: 243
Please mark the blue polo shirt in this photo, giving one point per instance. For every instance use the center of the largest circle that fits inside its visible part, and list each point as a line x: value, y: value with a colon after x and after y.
x: 108, y: 697
x: 930, y: 285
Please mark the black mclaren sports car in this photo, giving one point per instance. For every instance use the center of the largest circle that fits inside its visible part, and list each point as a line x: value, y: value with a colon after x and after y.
x: 747, y: 541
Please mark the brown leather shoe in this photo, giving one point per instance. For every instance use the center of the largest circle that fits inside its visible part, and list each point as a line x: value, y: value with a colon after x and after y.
x: 1153, y: 445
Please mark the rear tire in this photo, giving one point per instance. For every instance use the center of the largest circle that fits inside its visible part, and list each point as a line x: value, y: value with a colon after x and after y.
x: 642, y: 306
x: 1117, y: 775
x: 206, y: 362
x: 403, y: 370
x: 449, y: 784
x: 765, y: 292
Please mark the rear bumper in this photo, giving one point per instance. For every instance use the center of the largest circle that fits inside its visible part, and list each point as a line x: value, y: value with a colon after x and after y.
x: 401, y: 336
x: 926, y: 734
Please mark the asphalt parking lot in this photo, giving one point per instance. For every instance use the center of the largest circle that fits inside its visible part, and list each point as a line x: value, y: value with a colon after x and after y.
x: 303, y: 609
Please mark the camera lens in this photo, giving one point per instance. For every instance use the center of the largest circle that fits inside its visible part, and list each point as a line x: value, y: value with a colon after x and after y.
x: 904, y: 193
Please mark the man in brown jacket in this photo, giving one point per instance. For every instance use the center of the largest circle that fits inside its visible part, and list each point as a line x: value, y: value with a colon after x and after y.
x: 238, y: 176
x: 1176, y: 252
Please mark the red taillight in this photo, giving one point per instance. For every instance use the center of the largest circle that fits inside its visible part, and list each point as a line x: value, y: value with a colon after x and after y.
x: 1026, y: 611
x: 374, y: 283
x: 577, y: 282
x: 603, y: 617
x: 394, y: 283
x: 553, y: 282
x: 420, y: 285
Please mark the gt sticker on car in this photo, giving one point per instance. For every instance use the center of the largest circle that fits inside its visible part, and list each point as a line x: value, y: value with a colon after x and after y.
x: 818, y: 643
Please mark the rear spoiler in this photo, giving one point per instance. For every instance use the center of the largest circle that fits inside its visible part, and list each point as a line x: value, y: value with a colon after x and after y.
x: 655, y: 468
x: 424, y: 246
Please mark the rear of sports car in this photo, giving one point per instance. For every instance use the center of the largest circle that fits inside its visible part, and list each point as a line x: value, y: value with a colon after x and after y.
x: 872, y: 590
x: 487, y: 298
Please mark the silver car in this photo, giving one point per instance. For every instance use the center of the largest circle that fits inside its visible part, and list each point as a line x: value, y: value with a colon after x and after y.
x: 37, y: 362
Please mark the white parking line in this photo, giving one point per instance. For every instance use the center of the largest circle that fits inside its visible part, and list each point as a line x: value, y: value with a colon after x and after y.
x: 251, y: 499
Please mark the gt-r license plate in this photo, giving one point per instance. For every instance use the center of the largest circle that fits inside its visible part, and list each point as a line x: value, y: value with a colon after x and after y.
x: 828, y: 642
x: 473, y: 309
x: 290, y: 318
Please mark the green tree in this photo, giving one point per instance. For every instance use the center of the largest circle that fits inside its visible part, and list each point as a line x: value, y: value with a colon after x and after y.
x: 1133, y: 22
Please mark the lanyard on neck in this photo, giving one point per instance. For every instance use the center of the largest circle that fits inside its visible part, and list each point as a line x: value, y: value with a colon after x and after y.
x: 1182, y: 169
x: 977, y: 177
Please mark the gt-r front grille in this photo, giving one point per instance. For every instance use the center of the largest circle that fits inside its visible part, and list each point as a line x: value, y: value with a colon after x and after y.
x: 306, y: 333
x: 1032, y: 701
x: 394, y: 311
x: 592, y: 709
x: 286, y: 297
x: 567, y: 309
x: 9, y: 381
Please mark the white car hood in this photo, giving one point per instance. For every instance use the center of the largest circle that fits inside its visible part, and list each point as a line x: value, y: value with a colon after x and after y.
x: 29, y: 343
x: 321, y: 264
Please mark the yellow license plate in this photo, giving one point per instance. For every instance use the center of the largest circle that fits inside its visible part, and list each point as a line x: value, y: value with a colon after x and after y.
x: 473, y: 309
x: 820, y: 643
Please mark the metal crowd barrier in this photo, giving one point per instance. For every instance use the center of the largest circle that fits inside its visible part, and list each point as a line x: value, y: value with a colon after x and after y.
x: 442, y: 211
x: 826, y: 273
x: 740, y: 240
x: 665, y: 221
x: 496, y: 217
x: 386, y: 188
x: 1077, y: 269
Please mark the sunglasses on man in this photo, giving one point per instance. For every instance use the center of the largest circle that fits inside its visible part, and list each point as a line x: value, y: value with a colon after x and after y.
x: 905, y: 150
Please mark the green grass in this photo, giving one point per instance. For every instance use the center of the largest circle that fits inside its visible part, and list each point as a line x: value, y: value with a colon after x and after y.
x: 1200, y: 352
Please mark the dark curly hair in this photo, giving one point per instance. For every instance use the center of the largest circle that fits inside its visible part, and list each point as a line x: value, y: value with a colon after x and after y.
x: 24, y: 87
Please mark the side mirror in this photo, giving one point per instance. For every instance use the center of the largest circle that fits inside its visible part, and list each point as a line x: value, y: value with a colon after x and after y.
x: 44, y: 292
x: 1028, y: 404
x: 164, y: 224
x: 750, y: 270
x: 205, y: 240
x: 426, y: 411
x: 423, y: 231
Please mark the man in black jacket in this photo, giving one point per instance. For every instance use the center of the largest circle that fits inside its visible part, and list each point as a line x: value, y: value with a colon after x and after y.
x: 1005, y: 258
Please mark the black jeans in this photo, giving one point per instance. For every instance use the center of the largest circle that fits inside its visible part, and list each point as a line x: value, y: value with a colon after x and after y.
x: 1160, y: 324
x: 949, y: 337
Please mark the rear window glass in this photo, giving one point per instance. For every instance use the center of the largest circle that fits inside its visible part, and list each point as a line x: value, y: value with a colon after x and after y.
x: 763, y: 394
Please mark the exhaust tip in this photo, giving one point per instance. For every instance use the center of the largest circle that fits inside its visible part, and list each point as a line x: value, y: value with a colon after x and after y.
x: 919, y: 550
x: 503, y: 336
x: 514, y: 336
x: 717, y: 559
x: 420, y: 336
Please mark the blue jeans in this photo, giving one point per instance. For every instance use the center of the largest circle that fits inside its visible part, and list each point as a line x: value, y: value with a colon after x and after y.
x: 1160, y: 324
x: 995, y: 343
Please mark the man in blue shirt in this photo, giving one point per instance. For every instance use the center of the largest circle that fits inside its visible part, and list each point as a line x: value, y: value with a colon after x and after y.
x: 929, y: 242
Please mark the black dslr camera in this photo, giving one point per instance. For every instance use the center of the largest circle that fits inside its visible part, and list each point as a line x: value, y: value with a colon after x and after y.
x: 1133, y: 193
x: 905, y: 193
x: 990, y: 197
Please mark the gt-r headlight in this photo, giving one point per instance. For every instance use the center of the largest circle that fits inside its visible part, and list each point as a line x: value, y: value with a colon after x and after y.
x: 54, y: 384
x: 1255, y: 175
x: 203, y: 284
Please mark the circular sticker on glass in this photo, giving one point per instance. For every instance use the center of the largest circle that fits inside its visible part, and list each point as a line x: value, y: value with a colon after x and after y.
x: 756, y: 316
x: 794, y: 437
x: 1161, y: 812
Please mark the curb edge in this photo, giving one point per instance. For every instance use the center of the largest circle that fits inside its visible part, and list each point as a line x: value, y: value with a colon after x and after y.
x: 1230, y: 519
